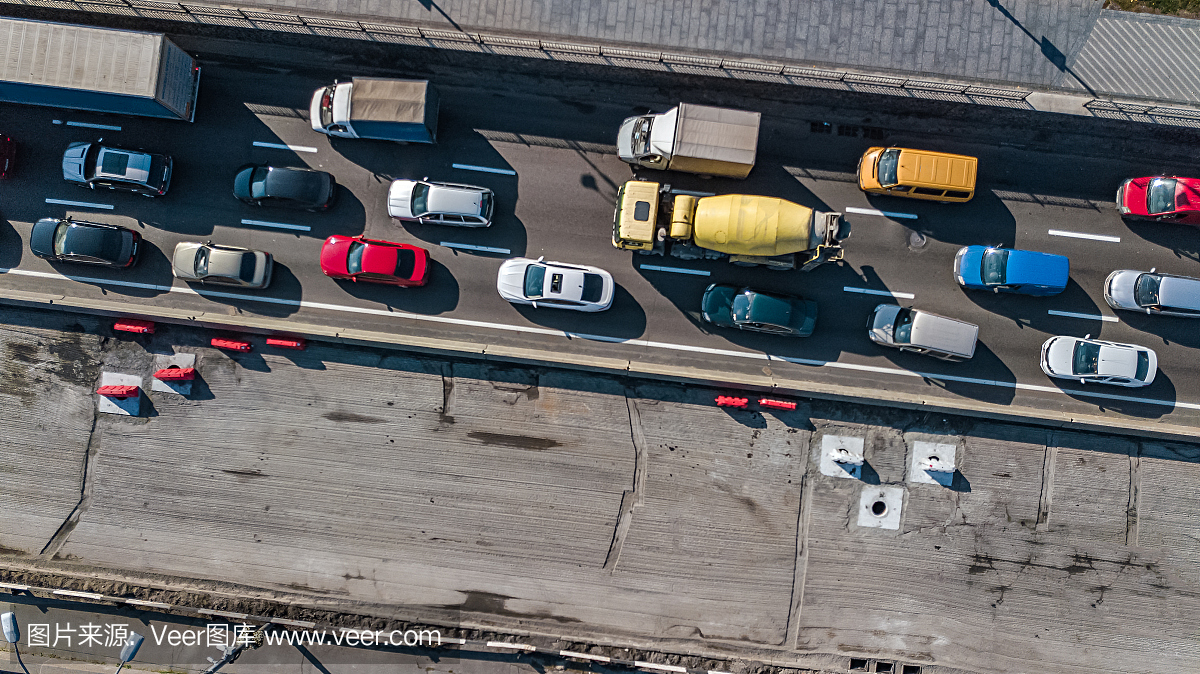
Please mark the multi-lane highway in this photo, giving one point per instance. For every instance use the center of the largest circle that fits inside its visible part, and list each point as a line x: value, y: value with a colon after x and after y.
x: 557, y: 140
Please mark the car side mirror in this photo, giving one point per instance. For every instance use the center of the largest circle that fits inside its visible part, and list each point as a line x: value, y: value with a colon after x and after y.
x: 1147, y: 309
x: 996, y: 290
x: 1088, y: 336
x: 1153, y: 269
x: 541, y: 257
x: 534, y: 304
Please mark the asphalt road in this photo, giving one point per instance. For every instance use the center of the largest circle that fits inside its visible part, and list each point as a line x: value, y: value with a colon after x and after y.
x: 557, y: 136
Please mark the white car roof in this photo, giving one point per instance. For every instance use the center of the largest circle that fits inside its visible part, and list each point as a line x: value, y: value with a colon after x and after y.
x: 454, y: 199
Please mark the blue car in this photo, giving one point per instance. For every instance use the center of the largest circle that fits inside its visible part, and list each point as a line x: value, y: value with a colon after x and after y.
x: 1024, y: 272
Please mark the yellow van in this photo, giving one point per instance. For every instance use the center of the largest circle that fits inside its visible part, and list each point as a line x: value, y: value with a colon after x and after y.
x: 917, y: 174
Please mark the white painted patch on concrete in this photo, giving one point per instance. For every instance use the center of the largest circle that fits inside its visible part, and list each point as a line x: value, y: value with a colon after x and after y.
x: 842, y: 456
x: 879, y: 507
x: 932, y: 463
x: 129, y: 407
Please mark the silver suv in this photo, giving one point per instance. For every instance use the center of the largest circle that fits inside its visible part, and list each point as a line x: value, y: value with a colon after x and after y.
x: 94, y: 165
x: 1153, y: 293
x: 434, y: 203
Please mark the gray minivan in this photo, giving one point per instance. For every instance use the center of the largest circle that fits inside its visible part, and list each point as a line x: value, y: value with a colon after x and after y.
x: 921, y: 332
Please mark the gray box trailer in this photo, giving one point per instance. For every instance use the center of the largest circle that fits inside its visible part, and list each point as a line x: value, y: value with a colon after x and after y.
x: 379, y: 108
x: 98, y: 69
x: 693, y: 138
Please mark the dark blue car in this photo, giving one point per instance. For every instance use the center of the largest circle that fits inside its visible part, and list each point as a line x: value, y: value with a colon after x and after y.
x: 1024, y: 272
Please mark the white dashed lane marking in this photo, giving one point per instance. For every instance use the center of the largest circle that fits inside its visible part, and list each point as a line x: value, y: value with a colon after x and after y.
x: 882, y: 293
x: 80, y: 204
x: 281, y: 146
x: 482, y: 249
x: 886, y: 214
x: 1092, y: 317
x: 484, y: 169
x: 277, y: 225
x: 1082, y: 235
x: 676, y: 270
x: 107, y: 127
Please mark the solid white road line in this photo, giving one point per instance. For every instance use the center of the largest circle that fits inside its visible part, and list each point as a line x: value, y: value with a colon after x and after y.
x: 882, y: 293
x: 484, y: 169
x: 668, y: 346
x: 81, y: 204
x: 1094, y: 317
x: 1081, y: 235
x: 482, y: 249
x: 281, y: 146
x: 107, y: 127
x: 676, y: 270
x: 277, y: 225
x: 886, y: 214
x: 505, y: 644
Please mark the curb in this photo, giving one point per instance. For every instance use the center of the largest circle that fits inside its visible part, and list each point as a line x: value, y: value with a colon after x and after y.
x: 767, y: 383
x: 635, y: 56
x: 245, y: 618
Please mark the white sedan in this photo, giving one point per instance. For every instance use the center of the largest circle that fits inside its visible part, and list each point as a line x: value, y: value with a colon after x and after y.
x: 1096, y: 361
x: 554, y: 284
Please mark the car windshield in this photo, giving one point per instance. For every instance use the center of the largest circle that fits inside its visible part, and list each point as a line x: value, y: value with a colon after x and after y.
x: 60, y: 238
x: 354, y: 259
x: 641, y: 136
x: 485, y: 205
x: 246, y: 273
x: 89, y: 160
x: 258, y: 183
x: 327, y: 107
x: 202, y: 261
x: 902, y: 328
x: 888, y: 160
x: 406, y: 261
x: 535, y: 280
x: 420, y: 199
x: 995, y: 264
x: 1146, y: 290
x: 1160, y: 198
x: 1087, y: 358
x: 1143, y: 366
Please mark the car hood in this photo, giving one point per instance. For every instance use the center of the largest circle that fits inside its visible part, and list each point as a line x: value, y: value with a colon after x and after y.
x: 455, y: 200
x: 72, y: 163
x: 41, y: 240
x: 511, y: 279
x: 717, y: 305
x: 1060, y: 355
x: 241, y: 182
x: 1120, y: 285
x: 1026, y: 267
x: 883, y: 322
x: 333, y: 254
x: 400, y: 198
x: 968, y: 264
x: 1134, y: 195
x: 183, y: 261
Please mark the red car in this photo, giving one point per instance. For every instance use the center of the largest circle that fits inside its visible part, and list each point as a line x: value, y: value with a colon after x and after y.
x: 361, y: 259
x: 1162, y: 198
x: 8, y: 155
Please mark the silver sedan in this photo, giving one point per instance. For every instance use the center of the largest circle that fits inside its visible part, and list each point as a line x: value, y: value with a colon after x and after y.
x: 224, y: 265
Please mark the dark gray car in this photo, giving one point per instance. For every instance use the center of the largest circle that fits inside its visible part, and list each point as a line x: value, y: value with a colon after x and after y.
x: 284, y: 186
x: 67, y: 240
x: 97, y: 166
x: 728, y: 306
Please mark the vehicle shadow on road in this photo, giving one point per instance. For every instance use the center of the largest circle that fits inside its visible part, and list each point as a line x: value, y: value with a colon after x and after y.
x: 438, y: 296
x: 11, y: 245
x: 1108, y: 398
x: 151, y: 263
x: 1183, y: 240
x: 1033, y: 312
x: 284, y: 286
x: 985, y: 219
x: 625, y: 319
x: 1164, y: 329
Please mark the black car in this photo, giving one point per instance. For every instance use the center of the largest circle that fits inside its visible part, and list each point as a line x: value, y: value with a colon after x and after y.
x: 746, y: 309
x: 94, y: 165
x: 286, y: 187
x: 67, y: 240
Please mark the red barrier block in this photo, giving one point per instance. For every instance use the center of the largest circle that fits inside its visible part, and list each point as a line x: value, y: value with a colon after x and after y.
x: 119, y: 391
x: 284, y: 343
x: 231, y: 344
x: 776, y: 404
x: 134, y: 325
x: 729, y: 401
x: 176, y: 374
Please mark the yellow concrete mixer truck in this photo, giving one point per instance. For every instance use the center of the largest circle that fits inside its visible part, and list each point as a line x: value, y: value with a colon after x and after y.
x: 745, y: 229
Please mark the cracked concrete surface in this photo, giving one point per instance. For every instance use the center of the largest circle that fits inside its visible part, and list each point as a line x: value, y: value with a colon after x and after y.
x: 611, y: 510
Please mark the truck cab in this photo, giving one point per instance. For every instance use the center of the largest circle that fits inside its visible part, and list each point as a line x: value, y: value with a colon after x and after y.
x: 329, y: 111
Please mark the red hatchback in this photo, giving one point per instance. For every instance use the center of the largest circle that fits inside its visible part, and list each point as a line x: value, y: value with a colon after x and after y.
x: 361, y: 259
x: 1162, y: 198
x: 8, y: 155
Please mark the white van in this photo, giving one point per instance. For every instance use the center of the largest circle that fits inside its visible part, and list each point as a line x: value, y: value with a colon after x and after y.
x: 921, y: 332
